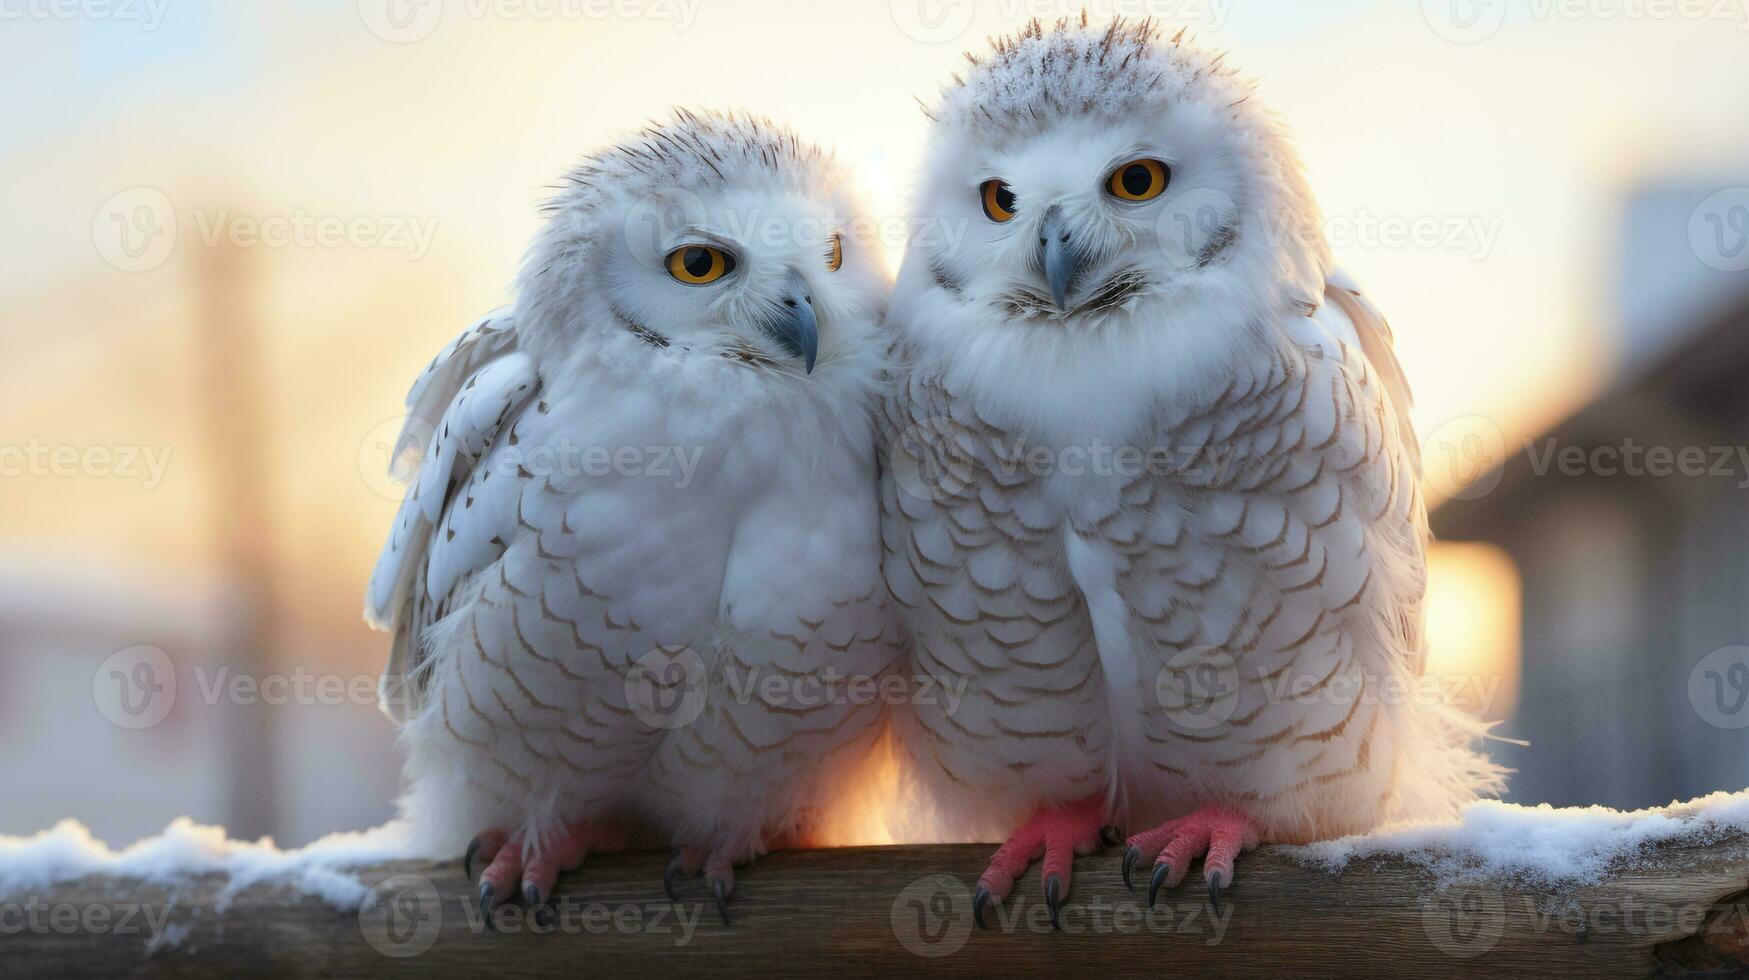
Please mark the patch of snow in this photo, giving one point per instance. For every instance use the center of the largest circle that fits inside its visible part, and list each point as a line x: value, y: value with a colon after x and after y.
x: 1536, y: 845
x: 68, y: 851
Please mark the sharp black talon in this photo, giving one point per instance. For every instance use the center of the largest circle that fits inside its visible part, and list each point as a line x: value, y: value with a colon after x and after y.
x: 722, y: 899
x: 978, y: 902
x: 1130, y: 857
x: 468, y: 858
x: 539, y: 910
x: 487, y: 894
x: 669, y: 876
x: 1053, y: 888
x: 1215, y: 891
x: 1160, y: 873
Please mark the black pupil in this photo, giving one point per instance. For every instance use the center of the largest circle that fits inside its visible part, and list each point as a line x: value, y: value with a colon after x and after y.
x: 1004, y: 197
x: 697, y: 262
x: 1137, y: 180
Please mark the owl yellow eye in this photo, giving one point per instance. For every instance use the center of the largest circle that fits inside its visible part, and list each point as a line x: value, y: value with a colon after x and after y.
x: 697, y: 265
x: 998, y: 200
x: 835, y: 253
x: 1139, y: 180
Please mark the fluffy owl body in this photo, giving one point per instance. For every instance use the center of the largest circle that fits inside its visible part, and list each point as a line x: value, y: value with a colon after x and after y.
x: 1149, y: 484
x: 636, y: 482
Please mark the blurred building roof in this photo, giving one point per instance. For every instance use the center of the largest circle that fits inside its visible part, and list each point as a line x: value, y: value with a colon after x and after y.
x: 1690, y: 389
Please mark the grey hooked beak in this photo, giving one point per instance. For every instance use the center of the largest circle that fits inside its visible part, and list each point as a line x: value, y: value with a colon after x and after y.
x: 792, y: 323
x: 1063, y: 262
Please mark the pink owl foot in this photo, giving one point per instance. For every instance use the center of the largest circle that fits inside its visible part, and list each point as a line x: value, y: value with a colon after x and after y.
x: 506, y: 866
x: 1058, y: 835
x: 1217, y: 834
x: 718, y: 870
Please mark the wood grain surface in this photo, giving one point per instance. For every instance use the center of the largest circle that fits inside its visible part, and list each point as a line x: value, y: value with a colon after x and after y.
x: 1681, y: 910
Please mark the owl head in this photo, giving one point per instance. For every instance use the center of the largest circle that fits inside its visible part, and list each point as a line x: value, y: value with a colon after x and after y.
x: 1109, y: 186
x: 705, y: 237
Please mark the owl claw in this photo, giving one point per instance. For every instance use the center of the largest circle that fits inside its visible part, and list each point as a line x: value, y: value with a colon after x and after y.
x: 485, y: 846
x: 722, y: 897
x: 1055, y: 834
x: 718, y: 870
x: 468, y: 858
x: 538, y: 907
x: 514, y: 868
x: 671, y: 875
x: 488, y: 901
x: 1160, y: 873
x: 1218, y: 835
x: 1130, y: 857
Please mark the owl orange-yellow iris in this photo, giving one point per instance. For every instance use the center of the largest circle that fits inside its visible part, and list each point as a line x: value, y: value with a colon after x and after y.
x: 697, y: 265
x: 1138, y: 180
x: 998, y: 200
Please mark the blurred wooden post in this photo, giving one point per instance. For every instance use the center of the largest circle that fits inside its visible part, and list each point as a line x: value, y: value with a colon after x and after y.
x: 1681, y: 911
x: 238, y: 438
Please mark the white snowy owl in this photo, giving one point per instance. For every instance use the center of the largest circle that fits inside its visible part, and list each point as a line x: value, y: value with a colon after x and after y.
x: 647, y: 489
x: 1149, y: 481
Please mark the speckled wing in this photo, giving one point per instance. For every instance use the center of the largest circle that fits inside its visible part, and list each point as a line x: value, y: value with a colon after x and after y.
x: 1372, y: 334
x: 1281, y: 613
x: 455, y: 412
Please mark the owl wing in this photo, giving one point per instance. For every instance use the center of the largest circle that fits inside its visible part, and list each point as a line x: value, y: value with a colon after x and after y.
x: 455, y: 412
x: 1372, y: 334
x: 1292, y: 584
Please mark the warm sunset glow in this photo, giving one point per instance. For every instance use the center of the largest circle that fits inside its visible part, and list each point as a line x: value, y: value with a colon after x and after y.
x: 1474, y: 604
x: 864, y: 811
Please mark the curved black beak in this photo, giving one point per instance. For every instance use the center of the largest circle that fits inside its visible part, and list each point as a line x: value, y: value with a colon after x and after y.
x: 1063, y: 262
x: 793, y: 325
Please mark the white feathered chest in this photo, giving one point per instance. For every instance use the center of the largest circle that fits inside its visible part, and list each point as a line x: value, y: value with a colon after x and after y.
x: 1206, y: 605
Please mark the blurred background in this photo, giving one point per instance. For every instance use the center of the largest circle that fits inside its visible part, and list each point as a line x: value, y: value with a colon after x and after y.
x: 237, y: 231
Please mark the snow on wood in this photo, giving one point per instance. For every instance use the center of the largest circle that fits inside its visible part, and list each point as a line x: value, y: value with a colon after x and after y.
x: 1514, y: 889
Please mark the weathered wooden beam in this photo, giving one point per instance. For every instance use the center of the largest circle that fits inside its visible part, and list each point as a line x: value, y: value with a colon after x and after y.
x: 1681, y: 910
